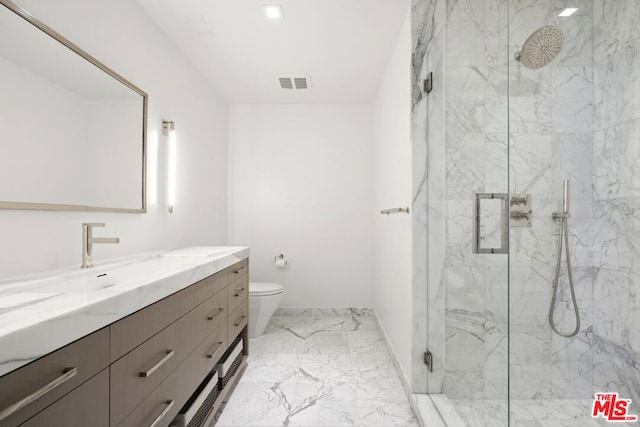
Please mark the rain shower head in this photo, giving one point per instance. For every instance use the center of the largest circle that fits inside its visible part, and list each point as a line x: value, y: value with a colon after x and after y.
x: 541, y: 47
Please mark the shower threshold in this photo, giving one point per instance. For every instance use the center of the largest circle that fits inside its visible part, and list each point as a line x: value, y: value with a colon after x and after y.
x: 529, y: 413
x: 437, y: 410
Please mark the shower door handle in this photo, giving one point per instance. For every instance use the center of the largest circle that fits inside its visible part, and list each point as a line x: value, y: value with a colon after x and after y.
x: 503, y: 223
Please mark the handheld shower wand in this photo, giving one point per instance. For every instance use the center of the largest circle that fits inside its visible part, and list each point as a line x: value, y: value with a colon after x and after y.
x: 565, y: 197
x: 563, y: 217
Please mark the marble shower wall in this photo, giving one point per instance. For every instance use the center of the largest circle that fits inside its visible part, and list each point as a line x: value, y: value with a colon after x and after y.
x: 616, y: 198
x: 551, y: 139
x: 543, y: 117
x: 568, y: 120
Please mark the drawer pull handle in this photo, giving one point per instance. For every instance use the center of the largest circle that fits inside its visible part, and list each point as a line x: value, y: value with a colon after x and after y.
x: 238, y: 292
x: 214, y: 350
x: 239, y: 269
x: 213, y: 316
x: 165, y: 411
x: 241, y: 318
x: 155, y: 367
x: 66, y: 376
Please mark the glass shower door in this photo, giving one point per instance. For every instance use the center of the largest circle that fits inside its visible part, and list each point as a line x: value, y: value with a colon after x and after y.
x: 467, y: 209
x: 538, y: 100
x: 574, y: 144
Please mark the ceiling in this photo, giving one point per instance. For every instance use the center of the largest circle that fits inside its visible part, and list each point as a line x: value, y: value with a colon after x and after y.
x: 343, y: 45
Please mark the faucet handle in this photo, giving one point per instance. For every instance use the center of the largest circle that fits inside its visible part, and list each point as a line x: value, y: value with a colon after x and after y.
x: 93, y: 224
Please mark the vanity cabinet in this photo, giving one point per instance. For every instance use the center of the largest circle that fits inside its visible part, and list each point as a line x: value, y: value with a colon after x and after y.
x: 32, y: 388
x: 87, y: 405
x: 128, y: 333
x: 164, y: 402
x: 238, y: 301
x: 140, y: 370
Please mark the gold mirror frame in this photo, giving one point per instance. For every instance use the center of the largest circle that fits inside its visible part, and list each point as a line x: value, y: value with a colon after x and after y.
x: 65, y: 42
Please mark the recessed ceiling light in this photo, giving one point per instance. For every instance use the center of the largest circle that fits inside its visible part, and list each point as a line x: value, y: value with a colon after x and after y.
x: 273, y: 11
x: 568, y: 11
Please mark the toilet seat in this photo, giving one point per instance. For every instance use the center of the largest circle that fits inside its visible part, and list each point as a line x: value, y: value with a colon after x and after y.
x: 261, y: 289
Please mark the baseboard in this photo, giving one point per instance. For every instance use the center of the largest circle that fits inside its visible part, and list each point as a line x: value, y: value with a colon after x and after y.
x: 432, y: 410
x: 398, y: 367
x: 323, y: 311
x: 394, y: 357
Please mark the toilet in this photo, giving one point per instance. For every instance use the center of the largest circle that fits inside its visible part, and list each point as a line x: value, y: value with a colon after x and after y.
x: 263, y: 301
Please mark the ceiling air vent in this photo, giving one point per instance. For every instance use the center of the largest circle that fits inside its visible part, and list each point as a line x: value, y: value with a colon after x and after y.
x: 301, y: 82
x: 285, y: 82
x: 294, y: 82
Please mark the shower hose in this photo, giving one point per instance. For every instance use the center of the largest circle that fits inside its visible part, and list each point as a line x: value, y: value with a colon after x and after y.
x: 564, y: 234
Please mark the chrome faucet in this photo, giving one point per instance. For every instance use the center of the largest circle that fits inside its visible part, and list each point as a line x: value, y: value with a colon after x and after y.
x: 88, y: 240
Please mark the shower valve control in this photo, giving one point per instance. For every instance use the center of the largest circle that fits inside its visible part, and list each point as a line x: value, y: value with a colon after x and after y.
x: 520, y: 210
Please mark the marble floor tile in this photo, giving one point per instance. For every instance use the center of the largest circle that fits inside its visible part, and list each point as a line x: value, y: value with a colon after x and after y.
x: 319, y: 370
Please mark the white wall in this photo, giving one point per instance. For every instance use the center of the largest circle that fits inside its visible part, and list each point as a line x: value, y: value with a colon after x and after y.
x: 107, y: 145
x: 121, y: 35
x: 392, y: 177
x: 61, y: 115
x: 302, y: 185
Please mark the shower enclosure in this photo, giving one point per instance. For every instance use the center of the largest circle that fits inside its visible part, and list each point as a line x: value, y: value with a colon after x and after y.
x: 517, y: 140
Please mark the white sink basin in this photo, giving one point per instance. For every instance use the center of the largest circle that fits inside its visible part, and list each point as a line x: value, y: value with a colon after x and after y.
x: 129, y: 274
x: 89, y: 281
x: 11, y: 301
x: 199, y: 251
x: 80, y: 284
x: 42, y: 313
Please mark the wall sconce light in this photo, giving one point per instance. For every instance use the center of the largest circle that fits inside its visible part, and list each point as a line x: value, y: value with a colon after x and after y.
x: 169, y: 129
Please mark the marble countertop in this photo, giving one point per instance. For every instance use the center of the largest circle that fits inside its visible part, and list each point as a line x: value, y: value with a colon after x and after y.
x: 43, y: 313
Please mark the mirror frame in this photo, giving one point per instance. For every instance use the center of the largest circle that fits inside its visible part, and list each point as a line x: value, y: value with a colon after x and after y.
x: 65, y: 42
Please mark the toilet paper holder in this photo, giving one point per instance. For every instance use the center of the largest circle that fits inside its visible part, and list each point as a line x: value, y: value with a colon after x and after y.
x: 280, y: 262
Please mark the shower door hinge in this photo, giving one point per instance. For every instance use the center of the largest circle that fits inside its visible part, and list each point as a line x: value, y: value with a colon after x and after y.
x: 428, y: 83
x: 428, y: 360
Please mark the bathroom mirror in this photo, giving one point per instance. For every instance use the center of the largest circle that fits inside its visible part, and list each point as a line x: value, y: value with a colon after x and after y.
x: 73, y: 133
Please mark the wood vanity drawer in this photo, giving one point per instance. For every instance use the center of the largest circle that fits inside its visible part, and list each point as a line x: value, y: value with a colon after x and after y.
x: 238, y: 320
x: 166, y: 400
x: 128, y: 333
x: 237, y: 292
x: 87, y: 405
x: 239, y: 269
x: 215, y: 311
x: 216, y: 344
x: 88, y: 355
x: 139, y: 372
